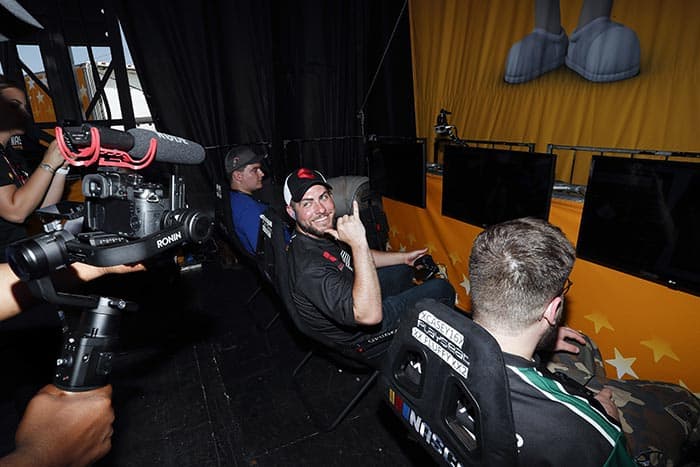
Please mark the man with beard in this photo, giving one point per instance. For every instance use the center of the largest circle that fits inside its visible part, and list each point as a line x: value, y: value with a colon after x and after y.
x: 348, y: 296
x: 519, y: 274
x: 21, y: 193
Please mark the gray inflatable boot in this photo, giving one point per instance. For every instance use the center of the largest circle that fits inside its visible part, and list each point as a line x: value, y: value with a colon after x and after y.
x: 604, y: 51
x: 536, y: 54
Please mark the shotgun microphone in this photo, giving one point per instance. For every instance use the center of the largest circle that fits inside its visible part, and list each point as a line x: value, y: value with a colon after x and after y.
x: 170, y: 148
x: 136, y: 141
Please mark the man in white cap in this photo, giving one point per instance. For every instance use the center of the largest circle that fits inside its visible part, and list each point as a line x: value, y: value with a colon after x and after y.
x: 347, y: 295
x: 245, y: 175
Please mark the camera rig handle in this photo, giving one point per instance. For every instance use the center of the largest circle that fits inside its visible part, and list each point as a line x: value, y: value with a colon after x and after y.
x: 85, y: 361
x: 87, y: 351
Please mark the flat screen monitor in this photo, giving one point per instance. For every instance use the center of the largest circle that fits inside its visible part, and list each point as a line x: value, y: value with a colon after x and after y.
x: 483, y: 186
x: 642, y: 217
x: 397, y: 169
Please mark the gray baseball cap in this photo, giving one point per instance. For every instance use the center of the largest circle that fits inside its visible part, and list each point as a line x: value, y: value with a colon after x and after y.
x: 239, y: 157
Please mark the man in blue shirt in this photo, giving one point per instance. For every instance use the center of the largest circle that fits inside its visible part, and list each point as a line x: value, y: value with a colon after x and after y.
x: 245, y: 176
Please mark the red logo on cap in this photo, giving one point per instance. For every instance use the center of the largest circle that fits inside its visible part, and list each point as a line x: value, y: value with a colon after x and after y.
x: 306, y: 173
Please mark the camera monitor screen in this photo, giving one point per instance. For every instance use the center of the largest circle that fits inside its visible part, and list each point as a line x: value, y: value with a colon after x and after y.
x: 483, y: 186
x: 397, y: 169
x: 642, y: 217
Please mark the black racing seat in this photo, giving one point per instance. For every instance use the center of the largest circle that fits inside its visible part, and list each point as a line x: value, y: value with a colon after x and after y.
x: 349, y: 188
x: 275, y: 251
x: 445, y: 378
x: 225, y: 230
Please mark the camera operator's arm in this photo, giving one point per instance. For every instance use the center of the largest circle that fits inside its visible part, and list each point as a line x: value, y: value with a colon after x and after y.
x: 63, y: 428
x: 15, y: 295
x: 55, y: 192
x: 392, y: 258
x: 16, y: 204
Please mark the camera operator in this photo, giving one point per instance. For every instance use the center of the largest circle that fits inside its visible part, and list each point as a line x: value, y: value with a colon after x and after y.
x: 58, y: 427
x: 21, y: 193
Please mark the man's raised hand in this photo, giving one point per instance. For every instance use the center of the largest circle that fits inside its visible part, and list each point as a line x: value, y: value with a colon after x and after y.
x: 349, y: 228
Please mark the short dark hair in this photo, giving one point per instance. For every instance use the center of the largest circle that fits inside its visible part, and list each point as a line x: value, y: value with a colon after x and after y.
x: 515, y: 269
x: 6, y: 83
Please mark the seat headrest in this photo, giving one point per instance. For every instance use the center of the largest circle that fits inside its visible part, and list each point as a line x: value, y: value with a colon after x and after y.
x: 345, y: 190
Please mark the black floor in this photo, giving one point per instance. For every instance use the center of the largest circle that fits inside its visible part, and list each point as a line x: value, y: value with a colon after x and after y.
x: 200, y: 384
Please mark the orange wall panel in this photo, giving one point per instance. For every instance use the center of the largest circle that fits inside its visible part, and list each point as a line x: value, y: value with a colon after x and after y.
x: 644, y: 330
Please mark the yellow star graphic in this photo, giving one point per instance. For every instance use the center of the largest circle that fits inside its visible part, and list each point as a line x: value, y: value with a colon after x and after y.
x: 455, y: 258
x: 600, y: 321
x: 623, y: 365
x: 411, y: 239
x: 431, y: 248
x: 402, y: 247
x: 394, y: 231
x: 661, y: 348
x: 465, y: 284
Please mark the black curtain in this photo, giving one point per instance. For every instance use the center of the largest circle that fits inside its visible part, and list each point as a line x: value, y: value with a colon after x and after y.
x: 389, y: 108
x: 243, y: 71
x: 206, y: 70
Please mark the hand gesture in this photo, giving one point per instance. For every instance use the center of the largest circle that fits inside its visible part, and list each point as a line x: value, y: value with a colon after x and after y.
x: 349, y: 228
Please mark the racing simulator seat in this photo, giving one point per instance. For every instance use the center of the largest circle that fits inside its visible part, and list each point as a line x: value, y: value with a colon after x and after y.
x: 275, y: 248
x: 225, y: 231
x: 444, y: 377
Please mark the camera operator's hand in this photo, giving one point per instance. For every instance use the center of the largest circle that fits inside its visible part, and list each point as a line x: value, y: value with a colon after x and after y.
x: 15, y: 296
x: 64, y: 429
x: 88, y: 272
x: 53, y: 157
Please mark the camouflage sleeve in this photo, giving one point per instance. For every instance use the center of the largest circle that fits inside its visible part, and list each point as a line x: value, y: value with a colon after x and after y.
x: 661, y: 421
x: 586, y: 367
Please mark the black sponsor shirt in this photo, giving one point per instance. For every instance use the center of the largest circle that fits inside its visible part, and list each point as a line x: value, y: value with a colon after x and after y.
x: 321, y: 278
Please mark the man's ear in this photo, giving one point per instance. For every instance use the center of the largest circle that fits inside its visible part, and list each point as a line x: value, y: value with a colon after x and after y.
x: 291, y: 212
x: 553, y: 309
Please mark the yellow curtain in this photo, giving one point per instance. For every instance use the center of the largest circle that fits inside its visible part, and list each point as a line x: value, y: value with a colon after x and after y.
x: 459, y: 53
x: 644, y: 330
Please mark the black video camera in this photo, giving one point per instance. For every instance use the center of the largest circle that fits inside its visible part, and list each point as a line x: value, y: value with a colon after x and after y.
x: 124, y: 204
x: 126, y: 220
